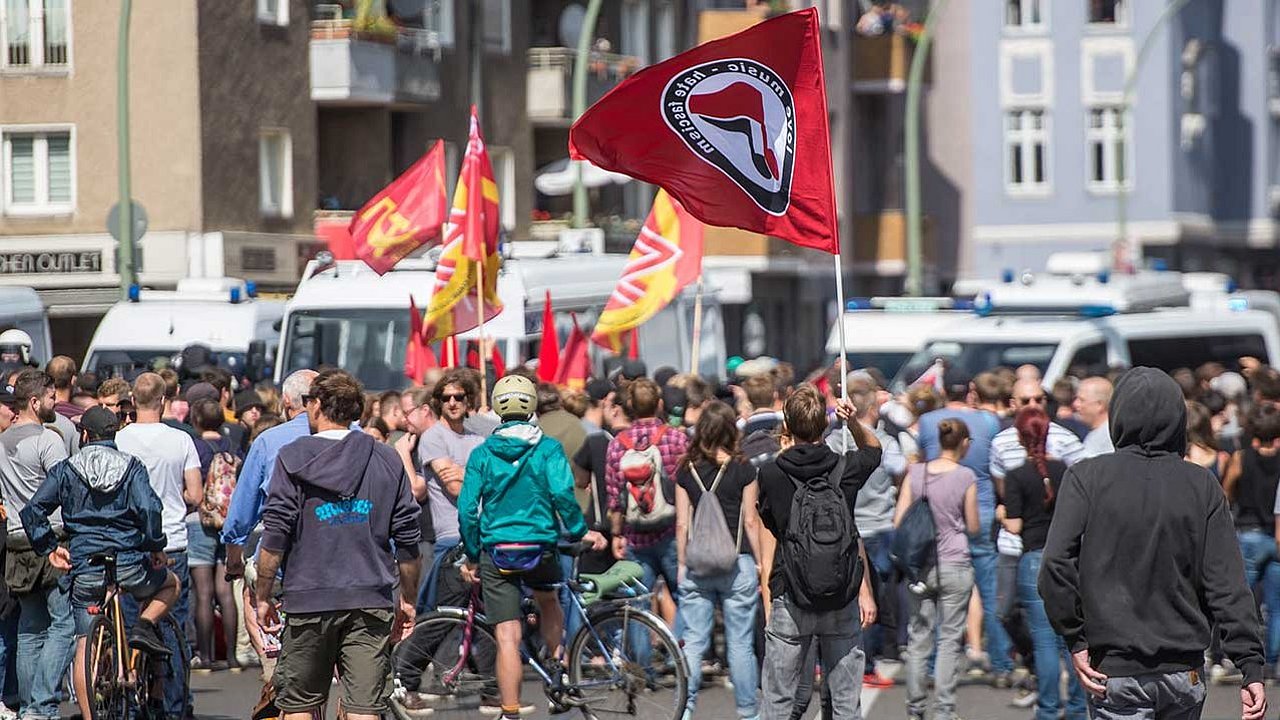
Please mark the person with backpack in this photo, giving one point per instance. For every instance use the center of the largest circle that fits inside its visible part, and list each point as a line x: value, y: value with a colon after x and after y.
x: 937, y: 506
x: 821, y: 595
x: 719, y: 554
x: 1030, y: 491
x: 206, y: 555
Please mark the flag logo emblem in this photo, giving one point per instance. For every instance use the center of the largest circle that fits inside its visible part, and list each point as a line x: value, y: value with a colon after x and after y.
x: 738, y: 116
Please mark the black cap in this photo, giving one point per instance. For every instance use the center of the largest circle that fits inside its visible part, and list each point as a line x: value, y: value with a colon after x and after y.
x: 598, y: 389
x: 634, y: 369
x: 202, y: 391
x: 100, y: 423
x: 664, y: 374
x: 247, y: 399
x: 7, y: 397
x: 956, y: 381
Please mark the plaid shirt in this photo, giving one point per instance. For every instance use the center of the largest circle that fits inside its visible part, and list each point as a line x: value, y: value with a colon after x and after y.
x: 672, y: 445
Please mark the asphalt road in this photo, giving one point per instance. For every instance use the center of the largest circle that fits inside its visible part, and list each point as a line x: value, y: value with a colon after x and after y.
x: 227, y: 696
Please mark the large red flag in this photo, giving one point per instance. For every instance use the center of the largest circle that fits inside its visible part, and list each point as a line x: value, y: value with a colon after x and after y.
x: 549, y: 348
x: 404, y: 216
x: 736, y: 129
x: 480, y: 228
x: 575, y: 364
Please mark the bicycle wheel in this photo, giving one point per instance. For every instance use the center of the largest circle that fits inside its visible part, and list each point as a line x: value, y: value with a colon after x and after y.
x: 437, y: 654
x: 626, y: 662
x: 108, y: 699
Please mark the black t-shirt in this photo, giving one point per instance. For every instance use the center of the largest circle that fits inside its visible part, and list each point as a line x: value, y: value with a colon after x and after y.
x: 1024, y: 499
x: 738, y: 474
x: 1256, y: 491
x: 592, y: 457
x: 803, y: 462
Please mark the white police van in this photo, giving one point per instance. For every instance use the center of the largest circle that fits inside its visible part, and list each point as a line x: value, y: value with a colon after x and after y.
x: 885, y: 332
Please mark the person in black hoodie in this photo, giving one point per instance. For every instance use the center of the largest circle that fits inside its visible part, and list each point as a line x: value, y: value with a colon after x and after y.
x: 1141, y: 562
x: 339, y: 518
x: 796, y: 623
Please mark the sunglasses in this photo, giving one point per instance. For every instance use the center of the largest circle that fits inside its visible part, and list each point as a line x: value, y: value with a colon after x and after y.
x: 1037, y: 400
x: 457, y: 397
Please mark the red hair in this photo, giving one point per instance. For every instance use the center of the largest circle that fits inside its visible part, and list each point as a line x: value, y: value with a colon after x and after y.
x: 1032, y: 425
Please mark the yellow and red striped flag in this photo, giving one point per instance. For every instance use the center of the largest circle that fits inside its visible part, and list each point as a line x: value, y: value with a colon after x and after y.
x: 667, y: 256
x: 471, y: 238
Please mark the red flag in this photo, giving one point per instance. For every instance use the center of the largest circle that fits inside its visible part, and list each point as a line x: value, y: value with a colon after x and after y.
x: 549, y: 348
x: 575, y: 364
x: 633, y: 352
x: 480, y: 229
x: 417, y: 352
x: 404, y: 216
x: 496, y: 361
x: 449, y: 352
x: 736, y: 129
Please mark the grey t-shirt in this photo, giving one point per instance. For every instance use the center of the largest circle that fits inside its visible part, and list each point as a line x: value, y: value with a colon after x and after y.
x: 70, y: 435
x: 442, y: 442
x: 946, y: 499
x: 29, y: 451
x: 1098, y: 441
x: 878, y: 498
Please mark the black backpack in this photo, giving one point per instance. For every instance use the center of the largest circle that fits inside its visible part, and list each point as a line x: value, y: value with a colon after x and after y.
x: 820, y: 547
x: 915, y: 542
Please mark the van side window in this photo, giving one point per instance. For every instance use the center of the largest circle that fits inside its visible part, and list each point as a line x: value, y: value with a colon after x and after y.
x: 1089, y: 360
x: 1171, y: 353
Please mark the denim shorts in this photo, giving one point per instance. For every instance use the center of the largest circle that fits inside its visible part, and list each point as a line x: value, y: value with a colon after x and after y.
x: 135, y: 576
x: 204, y: 547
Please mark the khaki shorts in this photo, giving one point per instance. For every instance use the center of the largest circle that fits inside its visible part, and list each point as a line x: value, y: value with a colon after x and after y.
x: 502, y: 590
x: 357, y: 642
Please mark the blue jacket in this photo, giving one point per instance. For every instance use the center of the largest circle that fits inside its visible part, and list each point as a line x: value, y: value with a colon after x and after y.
x: 107, y: 506
x: 251, y: 488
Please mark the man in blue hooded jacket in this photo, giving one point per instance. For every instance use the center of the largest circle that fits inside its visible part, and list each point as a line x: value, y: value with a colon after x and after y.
x: 521, y: 479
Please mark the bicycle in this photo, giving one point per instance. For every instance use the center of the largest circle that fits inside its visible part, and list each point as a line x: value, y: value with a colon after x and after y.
x: 605, y: 660
x: 122, y: 683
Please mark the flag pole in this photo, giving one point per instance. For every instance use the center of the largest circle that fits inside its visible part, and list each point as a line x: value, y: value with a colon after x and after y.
x: 484, y: 382
x: 844, y: 348
x: 697, y: 329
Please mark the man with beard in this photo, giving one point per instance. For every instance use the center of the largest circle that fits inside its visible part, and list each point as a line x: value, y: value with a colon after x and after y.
x: 46, y: 628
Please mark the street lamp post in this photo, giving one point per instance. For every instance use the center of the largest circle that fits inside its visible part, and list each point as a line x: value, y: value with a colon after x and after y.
x: 1124, y: 257
x: 580, y: 202
x: 911, y: 153
x: 127, y: 269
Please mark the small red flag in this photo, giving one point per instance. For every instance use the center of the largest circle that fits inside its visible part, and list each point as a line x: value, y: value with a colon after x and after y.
x: 549, y: 348
x: 735, y: 129
x: 575, y: 363
x: 416, y: 352
x: 633, y: 352
x: 449, y: 352
x: 404, y: 216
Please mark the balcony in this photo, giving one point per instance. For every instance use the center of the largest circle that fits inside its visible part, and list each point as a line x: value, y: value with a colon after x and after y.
x: 881, y: 63
x: 349, y: 67
x: 880, y: 242
x: 550, y: 81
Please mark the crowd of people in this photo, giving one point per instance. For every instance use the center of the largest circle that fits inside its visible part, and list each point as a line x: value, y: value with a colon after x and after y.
x: 1117, y: 530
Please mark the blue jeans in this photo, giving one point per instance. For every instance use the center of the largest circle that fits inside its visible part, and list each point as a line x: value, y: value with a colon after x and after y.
x: 985, y: 559
x: 885, y: 630
x: 427, y: 593
x: 1261, y: 563
x: 738, y: 595
x: 46, y: 644
x: 9, y: 655
x: 659, y: 559
x: 1050, y: 650
x: 177, y: 692
x: 572, y: 619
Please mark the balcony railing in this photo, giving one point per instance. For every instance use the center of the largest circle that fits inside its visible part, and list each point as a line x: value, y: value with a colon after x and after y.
x: 881, y: 63
x: 351, y: 67
x: 550, y: 80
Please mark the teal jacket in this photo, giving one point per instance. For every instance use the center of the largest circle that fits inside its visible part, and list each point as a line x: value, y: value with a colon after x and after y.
x: 518, y: 489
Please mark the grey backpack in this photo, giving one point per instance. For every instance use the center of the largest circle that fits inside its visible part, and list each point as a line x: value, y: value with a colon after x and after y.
x: 711, y: 550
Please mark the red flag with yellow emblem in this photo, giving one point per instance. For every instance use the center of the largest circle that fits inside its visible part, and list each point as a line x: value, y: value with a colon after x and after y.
x: 667, y: 256
x: 470, y: 248
x: 404, y: 216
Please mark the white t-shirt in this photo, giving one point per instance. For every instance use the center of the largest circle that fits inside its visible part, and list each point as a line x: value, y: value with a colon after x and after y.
x: 167, y: 454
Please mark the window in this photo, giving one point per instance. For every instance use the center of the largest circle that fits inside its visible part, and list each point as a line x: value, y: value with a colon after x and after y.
x: 635, y: 30
x: 39, y: 177
x: 275, y: 174
x: 273, y: 12
x: 504, y: 174
x: 497, y: 25
x: 1026, y: 151
x: 1089, y: 360
x: 1170, y: 353
x: 1107, y: 138
x: 1024, y: 14
x: 35, y: 34
x: 438, y: 18
x: 666, y: 32
x: 1107, y: 12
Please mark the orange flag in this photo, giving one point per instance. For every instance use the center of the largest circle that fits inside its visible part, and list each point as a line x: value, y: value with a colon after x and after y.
x: 472, y: 227
x: 667, y: 256
x: 404, y: 216
x: 575, y: 364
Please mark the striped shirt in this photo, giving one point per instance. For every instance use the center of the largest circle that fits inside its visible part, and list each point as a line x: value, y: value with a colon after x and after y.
x: 1007, y: 453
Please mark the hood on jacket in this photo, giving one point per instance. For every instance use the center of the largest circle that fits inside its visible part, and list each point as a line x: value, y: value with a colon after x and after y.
x: 101, y: 466
x: 513, y: 440
x: 1148, y: 413
x: 807, y: 461
x: 335, y: 465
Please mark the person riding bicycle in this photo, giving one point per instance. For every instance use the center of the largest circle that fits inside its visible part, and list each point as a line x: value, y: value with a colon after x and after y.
x: 108, y: 508
x: 516, y: 504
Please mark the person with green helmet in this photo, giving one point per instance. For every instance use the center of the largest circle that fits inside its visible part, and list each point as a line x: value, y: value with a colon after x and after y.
x: 516, y: 504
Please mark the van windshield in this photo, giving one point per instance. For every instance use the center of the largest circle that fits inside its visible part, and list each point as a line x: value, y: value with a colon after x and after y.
x: 888, y: 363
x: 128, y: 364
x: 975, y: 357
x: 368, y: 343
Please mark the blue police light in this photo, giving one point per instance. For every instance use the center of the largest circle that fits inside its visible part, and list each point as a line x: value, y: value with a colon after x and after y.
x: 859, y: 303
x: 1104, y: 277
x: 982, y: 305
x: 135, y: 293
x: 1159, y: 265
x: 1096, y: 311
x: 967, y: 305
x: 1238, y: 304
x: 235, y: 295
x: 251, y: 288
x: 1232, y: 285
x: 1006, y: 276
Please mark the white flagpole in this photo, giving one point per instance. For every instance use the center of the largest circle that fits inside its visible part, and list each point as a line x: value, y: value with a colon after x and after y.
x: 844, y: 348
x: 484, y: 383
x: 697, y: 329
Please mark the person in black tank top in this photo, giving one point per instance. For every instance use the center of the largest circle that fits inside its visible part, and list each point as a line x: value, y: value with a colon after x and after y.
x: 1250, y: 483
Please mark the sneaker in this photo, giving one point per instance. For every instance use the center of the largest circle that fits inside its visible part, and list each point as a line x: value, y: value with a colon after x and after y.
x: 146, y: 637
x: 491, y: 706
x: 414, y: 704
x: 876, y: 681
x: 219, y: 666
x: 1003, y: 681
x: 248, y: 660
x: 1024, y: 699
x: 198, y: 665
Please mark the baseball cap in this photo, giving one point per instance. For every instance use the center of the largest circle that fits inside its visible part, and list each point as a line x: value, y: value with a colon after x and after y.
x: 598, y: 389
x: 99, y: 422
x: 246, y: 399
x: 634, y: 369
x: 203, y: 391
x: 6, y: 396
x: 956, y: 381
x: 664, y: 374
